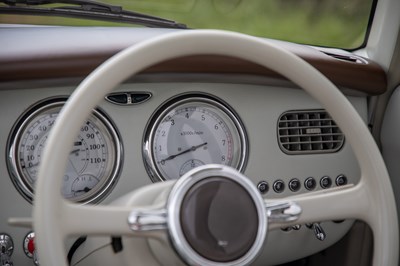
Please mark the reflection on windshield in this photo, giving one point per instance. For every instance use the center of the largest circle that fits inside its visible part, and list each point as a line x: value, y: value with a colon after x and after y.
x: 333, y: 23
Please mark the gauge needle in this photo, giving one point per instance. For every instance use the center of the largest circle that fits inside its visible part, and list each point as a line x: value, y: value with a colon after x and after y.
x: 86, y: 189
x: 33, y: 165
x: 73, y: 166
x: 193, y: 148
x: 75, y: 151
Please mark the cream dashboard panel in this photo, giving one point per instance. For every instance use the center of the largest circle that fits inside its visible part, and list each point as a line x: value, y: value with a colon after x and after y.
x: 258, y: 108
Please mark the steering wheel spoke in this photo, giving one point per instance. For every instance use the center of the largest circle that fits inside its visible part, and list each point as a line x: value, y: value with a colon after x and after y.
x: 282, y: 211
x: 347, y: 202
x: 148, y: 220
x: 96, y: 220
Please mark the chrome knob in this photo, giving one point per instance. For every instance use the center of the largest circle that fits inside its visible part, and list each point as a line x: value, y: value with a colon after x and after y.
x: 6, y: 250
x: 318, y: 231
x: 29, y: 247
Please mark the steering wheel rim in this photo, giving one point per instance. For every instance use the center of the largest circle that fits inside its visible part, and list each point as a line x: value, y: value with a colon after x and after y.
x: 373, y: 193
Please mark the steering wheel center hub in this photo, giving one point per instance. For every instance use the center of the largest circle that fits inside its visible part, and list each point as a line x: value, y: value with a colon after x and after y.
x: 219, y: 219
x: 216, y: 215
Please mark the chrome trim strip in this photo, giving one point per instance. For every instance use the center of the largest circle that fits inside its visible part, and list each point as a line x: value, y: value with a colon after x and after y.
x: 281, y: 212
x: 147, y: 220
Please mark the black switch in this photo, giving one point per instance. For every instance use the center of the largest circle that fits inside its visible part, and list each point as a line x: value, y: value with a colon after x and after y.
x: 341, y: 180
x: 263, y: 187
x: 294, y: 184
x: 279, y: 186
x: 325, y: 182
x: 310, y: 183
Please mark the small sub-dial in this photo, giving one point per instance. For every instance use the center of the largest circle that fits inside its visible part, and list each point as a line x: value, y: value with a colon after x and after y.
x: 83, y: 184
x: 189, y: 165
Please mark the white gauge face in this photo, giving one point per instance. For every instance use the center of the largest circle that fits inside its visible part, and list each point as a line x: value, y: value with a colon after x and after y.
x: 194, y: 132
x: 92, y: 162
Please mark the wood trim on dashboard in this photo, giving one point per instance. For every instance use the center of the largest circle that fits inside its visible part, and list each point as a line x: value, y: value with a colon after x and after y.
x: 367, y: 76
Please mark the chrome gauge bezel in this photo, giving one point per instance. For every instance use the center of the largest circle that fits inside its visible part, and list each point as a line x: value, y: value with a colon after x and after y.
x: 20, y: 180
x: 175, y: 102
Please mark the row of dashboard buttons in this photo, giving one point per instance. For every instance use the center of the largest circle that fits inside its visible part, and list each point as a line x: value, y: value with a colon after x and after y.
x: 295, y: 184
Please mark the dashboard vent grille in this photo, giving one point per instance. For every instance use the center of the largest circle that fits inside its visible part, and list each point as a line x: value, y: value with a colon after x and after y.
x: 309, y: 131
x: 348, y: 58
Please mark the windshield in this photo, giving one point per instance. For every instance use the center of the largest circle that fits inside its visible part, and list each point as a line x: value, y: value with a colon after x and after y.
x: 331, y: 23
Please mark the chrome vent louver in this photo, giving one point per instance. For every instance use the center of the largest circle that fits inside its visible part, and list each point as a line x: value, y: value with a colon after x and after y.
x: 308, y: 131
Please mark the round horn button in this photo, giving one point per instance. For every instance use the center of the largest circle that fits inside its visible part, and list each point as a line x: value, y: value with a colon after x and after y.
x: 219, y: 219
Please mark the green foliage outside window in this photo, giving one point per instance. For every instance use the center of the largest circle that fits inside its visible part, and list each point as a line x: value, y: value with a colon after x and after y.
x: 333, y: 23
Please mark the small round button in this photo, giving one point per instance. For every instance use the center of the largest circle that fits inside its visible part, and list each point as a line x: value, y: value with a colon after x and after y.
x: 279, y: 186
x: 29, y: 244
x: 294, y: 184
x: 325, y: 182
x: 310, y: 183
x: 341, y: 180
x: 263, y: 187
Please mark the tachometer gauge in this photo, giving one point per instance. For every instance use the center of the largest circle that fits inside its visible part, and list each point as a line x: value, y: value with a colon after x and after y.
x: 93, y: 162
x: 193, y: 130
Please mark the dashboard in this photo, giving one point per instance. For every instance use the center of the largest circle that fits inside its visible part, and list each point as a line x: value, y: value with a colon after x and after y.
x: 172, y: 118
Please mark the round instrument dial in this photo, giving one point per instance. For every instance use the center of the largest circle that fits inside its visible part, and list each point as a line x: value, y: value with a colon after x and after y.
x: 190, y: 131
x: 93, y: 162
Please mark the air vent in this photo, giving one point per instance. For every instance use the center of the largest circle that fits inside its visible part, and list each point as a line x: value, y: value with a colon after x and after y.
x: 348, y: 58
x: 308, y: 131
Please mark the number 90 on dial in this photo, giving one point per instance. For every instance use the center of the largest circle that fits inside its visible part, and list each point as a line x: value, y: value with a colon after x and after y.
x: 93, y: 163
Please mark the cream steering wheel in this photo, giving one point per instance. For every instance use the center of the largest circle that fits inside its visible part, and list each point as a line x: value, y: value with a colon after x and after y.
x: 371, y: 200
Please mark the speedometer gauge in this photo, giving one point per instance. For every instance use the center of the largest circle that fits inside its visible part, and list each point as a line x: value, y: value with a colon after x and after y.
x: 93, y: 162
x: 193, y: 130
